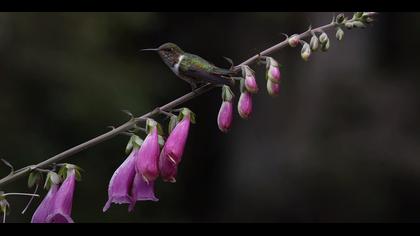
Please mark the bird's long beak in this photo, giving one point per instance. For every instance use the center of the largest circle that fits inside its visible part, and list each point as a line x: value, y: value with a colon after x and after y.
x: 150, y: 49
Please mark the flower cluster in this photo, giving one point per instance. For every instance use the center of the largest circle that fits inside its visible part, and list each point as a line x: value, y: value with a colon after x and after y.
x: 135, y: 179
x: 248, y: 87
x: 56, y: 206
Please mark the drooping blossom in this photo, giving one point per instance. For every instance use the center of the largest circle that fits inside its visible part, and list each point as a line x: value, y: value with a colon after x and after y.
x: 245, y: 105
x: 119, y: 190
x: 142, y: 190
x: 44, y: 208
x: 146, y: 162
x: 146, y: 167
x: 172, y: 151
x: 63, y: 202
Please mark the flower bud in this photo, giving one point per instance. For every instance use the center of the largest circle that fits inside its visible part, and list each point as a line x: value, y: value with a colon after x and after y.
x: 357, y: 15
x: 349, y: 25
x: 245, y: 105
x: 273, y: 70
x: 294, y: 40
x: 340, y: 18
x: 273, y: 88
x: 325, y: 46
x: 339, y: 34
x: 314, y: 43
x: 359, y: 24
x: 250, y: 81
x: 323, y: 38
x: 368, y: 20
x: 305, y: 52
x: 225, y: 116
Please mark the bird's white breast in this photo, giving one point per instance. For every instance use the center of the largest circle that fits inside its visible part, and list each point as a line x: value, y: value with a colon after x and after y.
x: 175, y: 69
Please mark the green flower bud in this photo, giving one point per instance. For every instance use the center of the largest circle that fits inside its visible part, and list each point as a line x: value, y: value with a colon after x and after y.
x: 368, y: 20
x: 349, y: 25
x: 357, y: 15
x: 293, y: 40
x: 325, y: 46
x: 359, y: 24
x: 305, y: 52
x: 314, y: 44
x: 340, y: 18
x: 323, y: 38
x: 339, y: 34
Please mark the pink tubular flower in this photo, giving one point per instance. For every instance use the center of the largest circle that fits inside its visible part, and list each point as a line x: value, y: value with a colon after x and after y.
x: 119, y: 190
x: 273, y: 88
x: 146, y: 162
x: 245, y: 105
x: 172, y: 152
x: 225, y: 117
x: 142, y: 191
x: 43, y: 210
x: 61, y: 209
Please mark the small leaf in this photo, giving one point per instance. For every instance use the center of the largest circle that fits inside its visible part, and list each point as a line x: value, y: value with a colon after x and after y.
x: 159, y: 128
x: 172, y: 123
x: 227, y: 94
x: 137, y: 141
x: 161, y: 141
x: 192, y: 117
x: 78, y: 175
x: 129, y: 145
x: 47, y: 184
x: 34, y: 177
x: 150, y: 123
x: 62, y: 172
x: 55, y: 178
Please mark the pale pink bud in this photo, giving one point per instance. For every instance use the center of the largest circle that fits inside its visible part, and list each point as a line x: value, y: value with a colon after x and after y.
x: 225, y: 117
x: 273, y: 72
x: 245, y: 105
x: 273, y: 88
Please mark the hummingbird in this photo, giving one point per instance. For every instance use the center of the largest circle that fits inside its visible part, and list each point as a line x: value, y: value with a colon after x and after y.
x: 192, y: 68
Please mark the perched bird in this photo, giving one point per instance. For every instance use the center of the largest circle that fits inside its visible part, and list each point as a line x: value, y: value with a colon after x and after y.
x: 192, y: 68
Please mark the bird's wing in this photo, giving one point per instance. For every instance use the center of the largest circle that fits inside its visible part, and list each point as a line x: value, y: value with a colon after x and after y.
x: 200, y: 69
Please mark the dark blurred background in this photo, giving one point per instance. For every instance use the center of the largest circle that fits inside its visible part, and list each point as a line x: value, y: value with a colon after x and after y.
x: 340, y: 144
